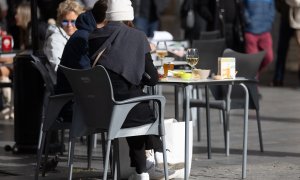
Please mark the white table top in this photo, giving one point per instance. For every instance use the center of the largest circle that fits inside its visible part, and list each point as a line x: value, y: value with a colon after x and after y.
x: 158, y: 63
x: 203, y: 81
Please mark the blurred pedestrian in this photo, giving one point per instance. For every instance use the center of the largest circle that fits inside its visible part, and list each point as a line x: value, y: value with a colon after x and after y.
x: 23, y: 22
x: 3, y: 13
x: 231, y: 12
x: 294, y: 17
x: 259, y: 17
x: 195, y: 17
x: 286, y: 32
x: 147, y: 14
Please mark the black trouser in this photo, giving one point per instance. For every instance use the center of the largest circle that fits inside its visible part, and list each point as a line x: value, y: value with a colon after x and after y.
x: 137, y: 147
x: 285, y: 34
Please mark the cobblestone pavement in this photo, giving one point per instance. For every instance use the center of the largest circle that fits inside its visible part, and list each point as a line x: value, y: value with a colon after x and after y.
x: 280, y: 115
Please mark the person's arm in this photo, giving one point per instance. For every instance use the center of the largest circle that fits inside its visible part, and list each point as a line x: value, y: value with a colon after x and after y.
x: 53, y: 49
x: 150, y: 76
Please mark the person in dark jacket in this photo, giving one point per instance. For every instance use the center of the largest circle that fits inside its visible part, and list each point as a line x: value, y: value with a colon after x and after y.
x: 203, y: 18
x: 233, y: 23
x: 127, y: 59
x: 75, y: 54
x: 285, y: 35
x: 147, y: 13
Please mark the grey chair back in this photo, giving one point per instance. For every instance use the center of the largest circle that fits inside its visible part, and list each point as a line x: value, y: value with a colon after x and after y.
x: 209, y: 51
x: 207, y: 35
x: 93, y: 100
x: 247, y: 66
x: 48, y: 76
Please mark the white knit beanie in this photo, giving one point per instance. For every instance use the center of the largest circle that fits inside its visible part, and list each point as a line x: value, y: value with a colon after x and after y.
x: 119, y: 10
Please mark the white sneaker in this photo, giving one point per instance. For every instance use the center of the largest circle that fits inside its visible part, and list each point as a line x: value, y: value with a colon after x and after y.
x: 135, y: 176
x: 159, y: 160
x: 150, y: 161
x: 156, y: 173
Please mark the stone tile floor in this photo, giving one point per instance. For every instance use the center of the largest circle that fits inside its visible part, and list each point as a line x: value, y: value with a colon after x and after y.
x: 280, y: 115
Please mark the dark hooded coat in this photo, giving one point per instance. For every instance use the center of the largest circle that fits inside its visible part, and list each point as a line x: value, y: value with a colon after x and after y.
x: 127, y: 60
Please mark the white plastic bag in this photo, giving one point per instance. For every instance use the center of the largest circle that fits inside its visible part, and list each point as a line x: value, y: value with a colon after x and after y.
x: 175, y: 140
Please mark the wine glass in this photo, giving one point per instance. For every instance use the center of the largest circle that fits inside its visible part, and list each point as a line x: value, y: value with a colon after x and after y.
x: 192, y: 57
x: 161, y: 51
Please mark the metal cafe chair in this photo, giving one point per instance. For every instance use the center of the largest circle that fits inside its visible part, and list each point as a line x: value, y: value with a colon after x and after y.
x: 51, y: 118
x: 228, y: 98
x: 96, y: 110
x: 52, y: 106
x: 247, y: 66
x: 209, y: 51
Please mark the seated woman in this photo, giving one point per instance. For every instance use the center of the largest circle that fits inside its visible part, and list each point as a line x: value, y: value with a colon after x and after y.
x: 58, y: 35
x: 127, y: 59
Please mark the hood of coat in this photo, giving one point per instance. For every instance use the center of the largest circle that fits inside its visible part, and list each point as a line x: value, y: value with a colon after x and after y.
x: 86, y: 21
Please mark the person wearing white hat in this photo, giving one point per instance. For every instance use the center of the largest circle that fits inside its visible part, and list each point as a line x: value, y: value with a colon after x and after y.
x: 127, y: 59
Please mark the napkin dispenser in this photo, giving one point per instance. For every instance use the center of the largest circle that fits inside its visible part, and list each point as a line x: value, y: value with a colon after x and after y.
x: 226, y: 67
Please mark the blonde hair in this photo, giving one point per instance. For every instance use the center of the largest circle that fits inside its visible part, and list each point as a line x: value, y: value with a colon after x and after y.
x: 24, y: 13
x: 66, y: 7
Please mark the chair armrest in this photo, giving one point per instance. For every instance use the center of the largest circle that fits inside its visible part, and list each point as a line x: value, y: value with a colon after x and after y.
x: 54, y: 106
x: 122, y: 109
x: 162, y: 99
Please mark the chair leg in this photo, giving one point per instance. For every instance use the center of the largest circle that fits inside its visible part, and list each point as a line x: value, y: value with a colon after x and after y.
x: 39, y: 155
x: 224, y: 128
x: 227, y: 133
x: 221, y: 117
x: 89, y: 149
x: 116, y: 169
x: 106, y: 160
x: 198, y: 124
x: 103, y: 145
x: 259, y: 131
x: 71, y: 156
x: 62, y: 141
x: 48, y: 137
x: 165, y: 157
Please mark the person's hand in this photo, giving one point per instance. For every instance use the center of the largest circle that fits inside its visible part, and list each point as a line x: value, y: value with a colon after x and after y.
x: 152, y: 47
x: 6, y: 60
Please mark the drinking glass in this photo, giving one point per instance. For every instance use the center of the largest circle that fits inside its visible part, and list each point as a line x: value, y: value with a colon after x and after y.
x: 192, y: 57
x: 161, y: 51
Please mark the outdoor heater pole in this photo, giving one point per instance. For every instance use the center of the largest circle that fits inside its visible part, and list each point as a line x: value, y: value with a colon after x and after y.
x: 34, y: 29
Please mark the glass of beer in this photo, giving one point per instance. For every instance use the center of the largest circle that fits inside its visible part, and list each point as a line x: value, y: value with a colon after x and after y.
x: 192, y: 57
x: 161, y: 50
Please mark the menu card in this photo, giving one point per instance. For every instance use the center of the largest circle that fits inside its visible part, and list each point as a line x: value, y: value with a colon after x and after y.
x: 226, y: 67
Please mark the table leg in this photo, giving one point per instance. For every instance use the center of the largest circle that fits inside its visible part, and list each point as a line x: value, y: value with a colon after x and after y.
x: 245, y: 130
x: 187, y: 133
x: 176, y: 92
x: 208, y: 122
x: 228, y: 103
